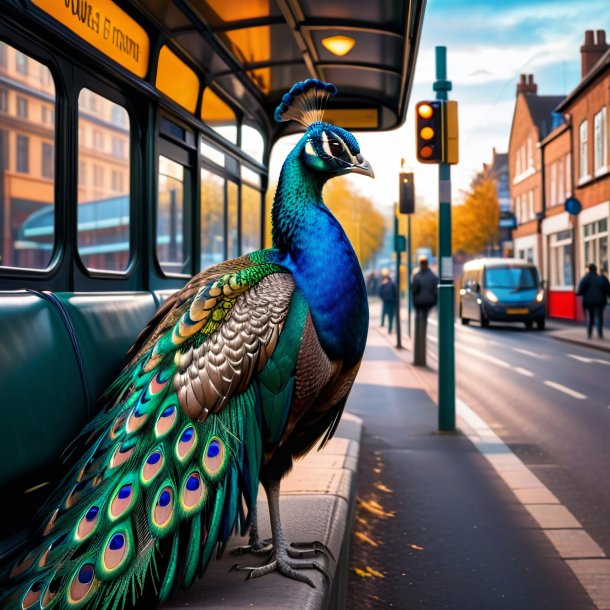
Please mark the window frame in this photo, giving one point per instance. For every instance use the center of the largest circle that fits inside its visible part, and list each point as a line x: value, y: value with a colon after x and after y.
x: 600, y: 142
x: 583, y: 152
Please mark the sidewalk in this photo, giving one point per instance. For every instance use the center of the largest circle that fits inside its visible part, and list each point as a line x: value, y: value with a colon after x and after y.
x: 437, y: 525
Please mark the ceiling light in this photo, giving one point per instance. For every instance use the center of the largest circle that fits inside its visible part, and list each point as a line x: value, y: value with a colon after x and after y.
x: 339, y: 45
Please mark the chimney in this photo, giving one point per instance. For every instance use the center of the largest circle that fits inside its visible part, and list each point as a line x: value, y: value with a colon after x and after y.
x: 526, y: 84
x: 595, y: 46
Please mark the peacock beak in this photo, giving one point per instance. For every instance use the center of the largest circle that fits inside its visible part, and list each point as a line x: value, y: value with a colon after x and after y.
x: 363, y: 167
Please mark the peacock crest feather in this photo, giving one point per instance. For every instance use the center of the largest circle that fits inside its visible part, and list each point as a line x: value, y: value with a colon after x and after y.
x: 305, y: 102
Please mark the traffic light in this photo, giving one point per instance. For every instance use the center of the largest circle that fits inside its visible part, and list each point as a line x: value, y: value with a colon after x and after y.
x: 406, y: 193
x: 437, y: 132
x: 429, y: 125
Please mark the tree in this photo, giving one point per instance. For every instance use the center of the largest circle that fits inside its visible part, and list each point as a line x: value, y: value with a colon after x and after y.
x: 475, y: 222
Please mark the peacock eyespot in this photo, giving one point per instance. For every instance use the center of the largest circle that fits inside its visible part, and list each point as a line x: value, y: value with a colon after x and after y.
x: 154, y: 458
x: 122, y: 501
x: 213, y: 449
x: 193, y: 482
x: 124, y: 492
x: 214, y: 457
x: 85, y: 574
x: 116, y: 542
x: 186, y: 442
x: 92, y: 513
x: 193, y: 492
x: 166, y: 421
x: 165, y: 498
x: 152, y: 467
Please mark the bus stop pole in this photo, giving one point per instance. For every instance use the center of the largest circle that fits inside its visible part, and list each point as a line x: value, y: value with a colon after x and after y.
x: 409, y: 274
x: 446, y: 345
x: 397, y: 306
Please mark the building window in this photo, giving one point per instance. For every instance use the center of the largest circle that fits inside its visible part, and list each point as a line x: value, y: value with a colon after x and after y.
x: 103, y: 206
x: 47, y: 160
x: 28, y: 202
x: 530, y: 153
x: 23, y: 157
x: 561, y: 191
x: 561, y: 260
x: 583, y: 149
x: 531, y: 209
x: 118, y: 148
x: 21, y: 63
x: 600, y: 135
x: 553, y: 185
x: 233, y: 248
x: 22, y: 107
x: 568, y: 174
x: 98, y: 140
x: 117, y: 181
x: 48, y: 115
x: 595, y: 240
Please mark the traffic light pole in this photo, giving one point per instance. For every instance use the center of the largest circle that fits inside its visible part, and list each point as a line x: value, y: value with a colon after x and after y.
x: 446, y: 345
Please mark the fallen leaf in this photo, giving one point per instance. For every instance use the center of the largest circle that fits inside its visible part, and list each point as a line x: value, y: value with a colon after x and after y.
x: 382, y: 487
x: 366, y: 539
x: 417, y: 548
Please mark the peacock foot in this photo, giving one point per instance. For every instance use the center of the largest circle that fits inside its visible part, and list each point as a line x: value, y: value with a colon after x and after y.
x: 305, y: 550
x: 256, y: 547
x: 288, y: 563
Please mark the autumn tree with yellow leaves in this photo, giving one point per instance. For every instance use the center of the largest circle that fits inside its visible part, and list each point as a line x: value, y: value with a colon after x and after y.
x: 362, y: 222
x: 475, y: 222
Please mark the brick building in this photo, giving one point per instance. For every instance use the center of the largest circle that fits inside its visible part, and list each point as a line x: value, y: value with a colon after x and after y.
x: 532, y: 122
x: 577, y: 163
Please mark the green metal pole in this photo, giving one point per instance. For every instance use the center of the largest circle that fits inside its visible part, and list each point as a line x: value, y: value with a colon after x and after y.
x: 409, y: 274
x: 446, y: 346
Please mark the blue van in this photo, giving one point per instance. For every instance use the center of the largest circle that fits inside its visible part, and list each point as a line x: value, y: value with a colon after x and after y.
x: 503, y: 290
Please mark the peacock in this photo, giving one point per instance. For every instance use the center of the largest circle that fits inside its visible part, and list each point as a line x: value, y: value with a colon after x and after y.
x: 240, y: 372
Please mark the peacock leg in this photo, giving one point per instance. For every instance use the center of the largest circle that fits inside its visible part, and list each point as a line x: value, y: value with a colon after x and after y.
x: 255, y: 544
x: 282, y: 561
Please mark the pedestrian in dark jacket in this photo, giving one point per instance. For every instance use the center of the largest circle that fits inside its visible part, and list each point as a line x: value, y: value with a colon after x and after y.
x: 387, y: 293
x: 424, y: 288
x: 594, y: 290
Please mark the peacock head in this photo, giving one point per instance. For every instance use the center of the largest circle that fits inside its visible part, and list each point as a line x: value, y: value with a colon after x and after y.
x: 334, y: 151
x: 325, y: 149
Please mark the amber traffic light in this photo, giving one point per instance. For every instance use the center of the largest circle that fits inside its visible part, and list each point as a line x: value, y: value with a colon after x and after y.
x: 428, y: 122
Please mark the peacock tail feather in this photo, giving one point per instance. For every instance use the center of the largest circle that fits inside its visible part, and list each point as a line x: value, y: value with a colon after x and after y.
x: 157, y: 488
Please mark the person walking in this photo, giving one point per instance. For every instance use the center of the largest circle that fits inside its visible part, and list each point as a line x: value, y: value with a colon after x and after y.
x: 387, y: 293
x: 424, y: 288
x: 594, y: 290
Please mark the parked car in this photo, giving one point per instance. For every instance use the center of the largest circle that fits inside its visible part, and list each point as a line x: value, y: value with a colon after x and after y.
x: 502, y: 289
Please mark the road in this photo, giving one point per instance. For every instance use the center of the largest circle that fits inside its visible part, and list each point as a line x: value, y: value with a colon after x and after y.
x: 549, y: 401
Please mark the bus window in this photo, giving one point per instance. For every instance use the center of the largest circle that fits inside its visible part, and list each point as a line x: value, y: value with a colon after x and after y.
x: 27, y: 160
x: 212, y: 219
x: 171, y: 249
x: 219, y: 115
x: 250, y: 219
x: 232, y: 207
x: 103, y: 183
x: 252, y: 142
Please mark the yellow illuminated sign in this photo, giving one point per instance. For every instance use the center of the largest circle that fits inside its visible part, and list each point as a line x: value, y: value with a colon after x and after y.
x: 105, y: 26
x: 177, y: 80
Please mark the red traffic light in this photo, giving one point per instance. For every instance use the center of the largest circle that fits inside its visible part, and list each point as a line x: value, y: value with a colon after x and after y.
x: 429, y: 132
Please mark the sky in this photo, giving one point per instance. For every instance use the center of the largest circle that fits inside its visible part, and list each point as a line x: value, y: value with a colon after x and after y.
x: 489, y: 44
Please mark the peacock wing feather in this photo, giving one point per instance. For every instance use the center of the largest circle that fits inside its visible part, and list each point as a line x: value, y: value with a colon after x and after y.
x: 157, y: 487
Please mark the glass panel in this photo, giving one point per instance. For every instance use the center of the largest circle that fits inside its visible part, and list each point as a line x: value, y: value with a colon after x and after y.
x: 219, y: 116
x: 511, y: 277
x: 212, y: 154
x: 232, y: 205
x: 103, y: 193
x: 249, y: 176
x: 252, y: 142
x: 27, y: 152
x: 250, y: 219
x: 171, y: 249
x: 212, y: 219
x: 603, y: 253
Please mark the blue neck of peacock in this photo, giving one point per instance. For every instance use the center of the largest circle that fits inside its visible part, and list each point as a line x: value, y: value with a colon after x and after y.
x: 315, y: 248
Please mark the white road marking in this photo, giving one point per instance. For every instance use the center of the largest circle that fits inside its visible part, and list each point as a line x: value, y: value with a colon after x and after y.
x: 588, y: 360
x: 565, y: 390
x: 523, y: 372
x: 477, y: 354
x: 584, y: 556
x: 527, y: 353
